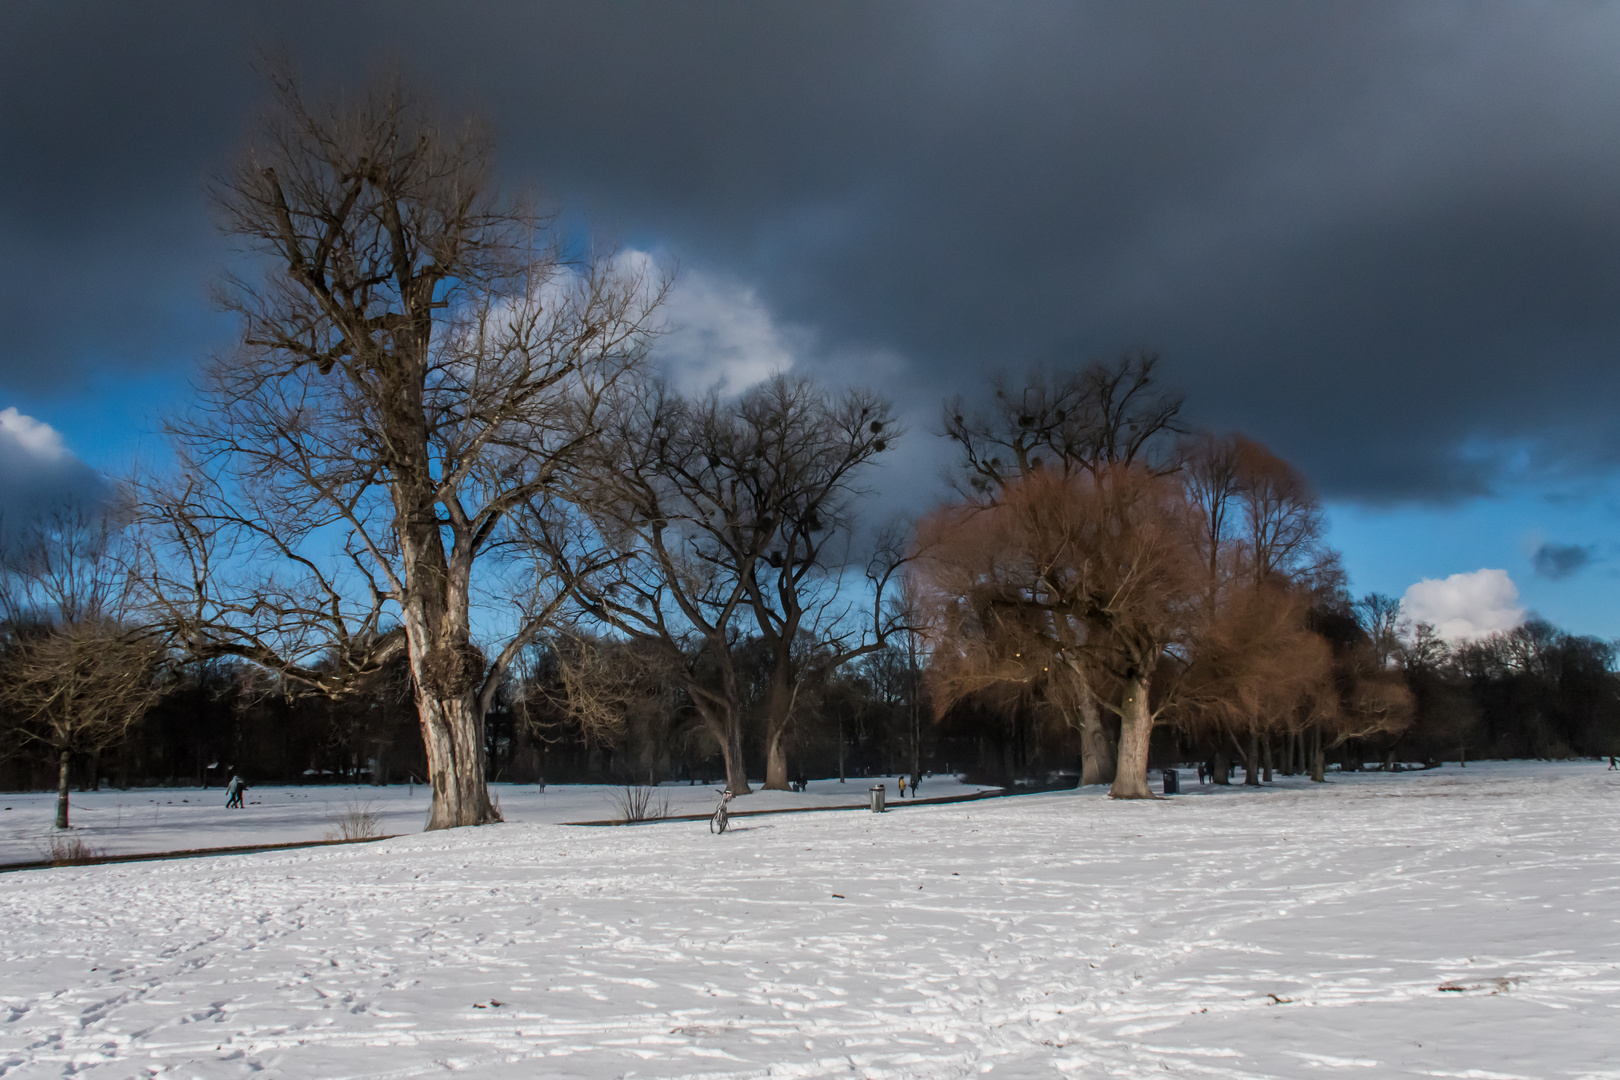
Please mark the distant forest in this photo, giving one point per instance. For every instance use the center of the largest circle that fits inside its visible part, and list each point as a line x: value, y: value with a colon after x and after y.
x: 1535, y: 692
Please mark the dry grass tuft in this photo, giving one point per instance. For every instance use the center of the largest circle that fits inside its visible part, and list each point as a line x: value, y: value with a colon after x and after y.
x: 640, y: 802
x: 356, y: 821
x: 69, y: 847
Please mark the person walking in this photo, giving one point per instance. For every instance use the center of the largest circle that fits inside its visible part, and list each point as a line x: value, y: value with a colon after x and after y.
x: 234, y: 790
x: 901, y: 781
x: 1612, y: 765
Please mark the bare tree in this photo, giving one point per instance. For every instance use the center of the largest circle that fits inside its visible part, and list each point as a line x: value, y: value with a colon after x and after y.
x: 1283, y: 560
x: 727, y: 513
x: 420, y: 365
x: 1099, y: 416
x: 670, y: 588
x: 1380, y: 617
x: 600, y: 683
x: 75, y: 671
x: 800, y: 450
x: 1259, y: 531
x: 1213, y: 479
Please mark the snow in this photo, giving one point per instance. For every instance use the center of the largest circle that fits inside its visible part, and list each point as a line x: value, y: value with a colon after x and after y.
x: 1453, y: 923
x: 151, y: 820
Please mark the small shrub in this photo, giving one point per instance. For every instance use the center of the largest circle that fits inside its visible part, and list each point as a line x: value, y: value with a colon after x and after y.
x: 356, y: 821
x: 70, y: 847
x: 640, y: 802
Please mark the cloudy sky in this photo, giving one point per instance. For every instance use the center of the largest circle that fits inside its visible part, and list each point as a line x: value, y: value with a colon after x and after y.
x: 1382, y: 237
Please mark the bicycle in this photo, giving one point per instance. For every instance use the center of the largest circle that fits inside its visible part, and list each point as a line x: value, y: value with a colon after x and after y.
x: 722, y: 816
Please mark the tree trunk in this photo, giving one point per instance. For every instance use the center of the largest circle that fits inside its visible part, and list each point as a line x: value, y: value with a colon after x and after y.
x: 1251, y: 760
x: 732, y: 751
x: 916, y: 748
x: 1097, y: 763
x: 840, y: 749
x: 727, y: 735
x: 63, y: 761
x: 776, y: 761
x: 452, y: 723
x: 778, y: 717
x: 447, y: 669
x: 1318, y: 758
x: 916, y: 717
x: 453, y: 733
x: 1135, y: 732
x: 1222, y: 767
x: 1265, y: 760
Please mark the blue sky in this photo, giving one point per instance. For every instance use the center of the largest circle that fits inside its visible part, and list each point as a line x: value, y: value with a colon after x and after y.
x: 113, y: 421
x: 1387, y: 549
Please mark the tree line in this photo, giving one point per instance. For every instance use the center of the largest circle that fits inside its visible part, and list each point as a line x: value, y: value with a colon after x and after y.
x: 436, y: 515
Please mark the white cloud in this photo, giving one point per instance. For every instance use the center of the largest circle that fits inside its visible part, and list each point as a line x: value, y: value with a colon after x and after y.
x: 34, y: 438
x: 722, y: 335
x: 1465, y: 607
x: 38, y: 472
x: 717, y: 333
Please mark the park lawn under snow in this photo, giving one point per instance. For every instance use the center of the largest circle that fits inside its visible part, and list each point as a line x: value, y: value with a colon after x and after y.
x: 1454, y: 923
x: 151, y: 820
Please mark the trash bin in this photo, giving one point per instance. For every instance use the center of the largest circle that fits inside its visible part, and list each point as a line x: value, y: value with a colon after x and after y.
x: 878, y: 792
x: 1172, y: 782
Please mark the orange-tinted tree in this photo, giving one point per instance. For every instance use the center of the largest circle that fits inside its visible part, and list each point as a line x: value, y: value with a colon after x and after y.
x: 1095, y: 570
x: 1093, y: 419
x: 1260, y: 669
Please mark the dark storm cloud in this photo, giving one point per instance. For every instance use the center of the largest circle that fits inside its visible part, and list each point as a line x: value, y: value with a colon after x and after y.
x: 1383, y: 237
x: 1557, y: 561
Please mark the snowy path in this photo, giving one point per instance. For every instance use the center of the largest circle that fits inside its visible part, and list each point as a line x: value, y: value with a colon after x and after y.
x: 1048, y: 935
x: 150, y: 820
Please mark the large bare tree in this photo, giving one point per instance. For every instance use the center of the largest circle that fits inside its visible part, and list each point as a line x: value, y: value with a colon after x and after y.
x: 420, y: 365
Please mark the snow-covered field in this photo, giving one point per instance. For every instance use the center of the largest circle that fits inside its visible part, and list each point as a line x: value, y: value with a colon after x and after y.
x: 147, y: 820
x: 1455, y: 923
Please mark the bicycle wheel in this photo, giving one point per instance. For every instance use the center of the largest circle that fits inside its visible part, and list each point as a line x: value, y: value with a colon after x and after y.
x: 718, y: 823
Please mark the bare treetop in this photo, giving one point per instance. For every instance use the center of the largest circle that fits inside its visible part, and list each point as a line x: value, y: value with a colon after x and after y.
x: 1101, y: 415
